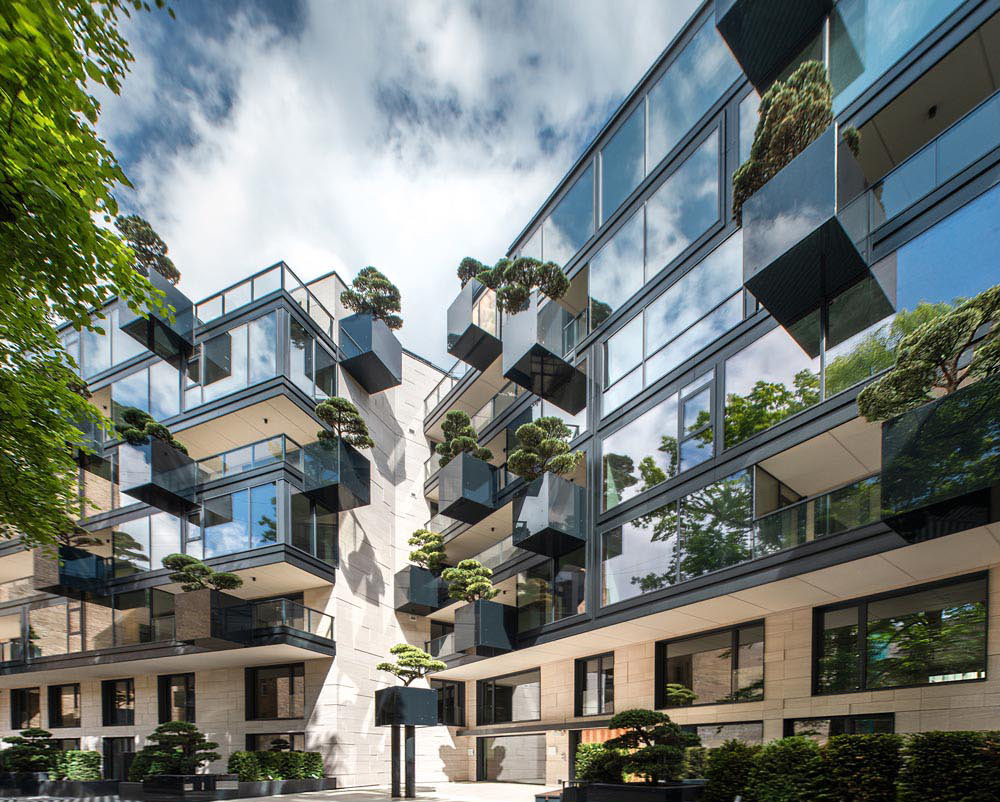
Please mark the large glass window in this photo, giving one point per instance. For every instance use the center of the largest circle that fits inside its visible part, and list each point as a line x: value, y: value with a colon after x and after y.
x: 623, y: 162
x: 246, y: 519
x: 101, y: 351
x: 726, y: 666
x: 155, y: 390
x: 713, y: 736
x: 276, y: 692
x: 513, y: 759
x: 822, y: 729
x: 551, y: 591
x: 232, y: 360
x: 141, y: 544
x: 175, y: 697
x: 314, y: 528
x: 516, y: 697
x: 451, y: 702
x: 118, y: 702
x: 921, y: 637
x: 25, y: 708
x: 54, y: 628
x: 595, y: 685
x: 616, y: 272
x: 64, y: 705
x: 571, y: 222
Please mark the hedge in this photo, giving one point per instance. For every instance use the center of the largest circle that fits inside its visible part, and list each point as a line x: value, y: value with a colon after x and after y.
x: 694, y: 762
x: 951, y: 767
x: 273, y: 765
x: 785, y: 771
x: 727, y: 770
x: 78, y: 764
x: 860, y: 768
x: 595, y: 763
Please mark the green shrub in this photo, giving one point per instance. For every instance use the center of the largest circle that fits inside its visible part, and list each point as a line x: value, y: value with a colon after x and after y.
x: 31, y: 751
x: 147, y: 764
x: 785, y: 771
x: 292, y: 765
x: 244, y: 765
x: 312, y: 765
x: 694, y: 762
x: 653, y: 744
x: 861, y: 768
x: 595, y: 763
x: 79, y: 764
x: 950, y: 767
x: 271, y: 765
x: 727, y: 769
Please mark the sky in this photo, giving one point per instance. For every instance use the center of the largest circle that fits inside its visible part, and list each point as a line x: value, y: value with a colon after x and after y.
x: 404, y: 134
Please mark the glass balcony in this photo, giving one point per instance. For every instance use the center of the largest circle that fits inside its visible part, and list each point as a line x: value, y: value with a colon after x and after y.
x: 441, y: 647
x: 472, y: 326
x: 74, y: 571
x: 272, y: 451
x: 258, y: 622
x: 550, y: 516
x: 467, y: 489
x: 508, y: 394
x: 848, y: 507
x: 797, y: 252
x: 336, y: 475
x: 418, y: 591
x: 485, y: 628
x: 452, y: 377
x: 371, y: 353
x: 166, y: 338
x: 766, y: 36
x: 535, y: 344
x: 941, y: 464
x: 158, y: 474
x: 431, y: 466
x: 499, y: 553
x: 440, y: 522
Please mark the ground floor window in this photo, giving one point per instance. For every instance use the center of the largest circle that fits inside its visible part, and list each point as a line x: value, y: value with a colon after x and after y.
x: 514, y: 697
x: 175, y: 694
x: 118, y: 702
x: 275, y: 692
x: 713, y: 735
x: 118, y: 754
x: 64, y: 706
x: 823, y: 728
x: 595, y: 685
x: 276, y: 741
x: 451, y: 702
x: 512, y: 759
x: 25, y: 708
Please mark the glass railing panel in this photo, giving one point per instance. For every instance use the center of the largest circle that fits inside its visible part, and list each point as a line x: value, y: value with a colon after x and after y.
x: 246, y: 458
x: 484, y: 312
x: 432, y: 466
x: 268, y: 453
x: 11, y: 650
x: 442, y: 646
x: 267, y: 282
x: 238, y: 296
x: 440, y: 522
x: 909, y: 182
x: 443, y: 387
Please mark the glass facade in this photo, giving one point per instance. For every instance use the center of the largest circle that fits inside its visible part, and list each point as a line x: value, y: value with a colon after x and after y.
x: 246, y: 519
x: 516, y: 697
x: 719, y: 667
x: 276, y: 692
x: 595, y: 685
x: 551, y: 591
x: 232, y: 360
x: 102, y: 350
x: 64, y: 705
x: 571, y: 222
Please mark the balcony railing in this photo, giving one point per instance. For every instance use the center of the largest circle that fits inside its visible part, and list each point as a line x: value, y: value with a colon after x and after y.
x: 442, y: 646
x: 508, y: 394
x: 444, y: 386
x: 271, y: 451
x: 473, y: 330
x: 440, y: 522
x: 499, y: 553
x: 848, y: 507
x: 11, y: 651
x: 275, y: 613
x: 432, y: 466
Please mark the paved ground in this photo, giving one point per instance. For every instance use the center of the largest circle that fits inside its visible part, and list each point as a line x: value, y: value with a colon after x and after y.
x: 433, y: 792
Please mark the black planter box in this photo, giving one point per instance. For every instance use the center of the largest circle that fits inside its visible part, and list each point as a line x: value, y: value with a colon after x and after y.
x: 278, y: 787
x: 467, y: 489
x: 418, y: 591
x: 166, y: 338
x: 194, y: 787
x: 416, y: 707
x: 158, y: 474
x: 549, y: 516
x: 471, y: 338
x: 941, y: 464
x: 25, y: 783
x: 685, y: 791
x: 371, y: 353
x: 79, y: 788
x: 336, y: 475
x: 485, y: 628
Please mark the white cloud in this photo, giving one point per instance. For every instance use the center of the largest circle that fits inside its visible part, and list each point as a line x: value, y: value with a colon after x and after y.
x: 399, y: 134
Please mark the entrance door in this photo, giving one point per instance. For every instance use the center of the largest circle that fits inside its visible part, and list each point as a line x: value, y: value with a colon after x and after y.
x: 118, y: 754
x: 513, y: 759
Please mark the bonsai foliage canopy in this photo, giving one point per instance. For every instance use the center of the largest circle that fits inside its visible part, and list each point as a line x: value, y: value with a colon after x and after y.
x: 543, y: 446
x: 792, y: 114
x: 676, y: 695
x: 428, y: 551
x: 470, y: 581
x: 371, y: 293
x: 930, y: 359
x: 149, y: 249
x: 136, y: 427
x: 655, y: 745
x: 411, y: 663
x: 459, y: 436
x: 193, y: 574
x: 32, y: 750
x: 177, y: 747
x: 514, y: 279
x: 345, y: 420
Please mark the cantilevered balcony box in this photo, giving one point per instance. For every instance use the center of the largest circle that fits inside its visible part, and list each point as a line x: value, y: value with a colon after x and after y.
x: 371, y: 353
x: 467, y: 488
x: 485, y: 628
x: 406, y: 706
x: 418, y: 591
x: 766, y: 35
x: 549, y: 516
x: 941, y: 464
x: 158, y: 474
x: 796, y: 251
x: 73, y: 572
x: 336, y: 475
x: 166, y: 338
x: 472, y: 338
x: 200, y: 618
x: 532, y: 349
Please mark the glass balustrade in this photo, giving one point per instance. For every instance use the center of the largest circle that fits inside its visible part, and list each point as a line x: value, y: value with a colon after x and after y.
x: 442, y: 646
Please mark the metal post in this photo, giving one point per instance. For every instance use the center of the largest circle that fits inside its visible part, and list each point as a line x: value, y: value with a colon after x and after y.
x: 395, y: 761
x: 411, y: 761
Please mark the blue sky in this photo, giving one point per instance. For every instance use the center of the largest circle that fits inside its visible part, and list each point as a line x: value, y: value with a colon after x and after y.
x: 334, y: 135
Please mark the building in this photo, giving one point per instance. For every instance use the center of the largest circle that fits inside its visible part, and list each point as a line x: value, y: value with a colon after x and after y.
x: 735, y: 526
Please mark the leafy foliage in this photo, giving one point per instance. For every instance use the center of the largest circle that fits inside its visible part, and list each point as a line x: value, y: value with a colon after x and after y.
x: 345, y: 421
x: 727, y: 770
x: 654, y: 744
x: 244, y: 765
x: 459, y: 437
x: 60, y: 258
x: 33, y: 750
x: 271, y: 765
x: 785, y: 770
x: 931, y: 359
x: 428, y: 550
x: 543, y: 446
x: 411, y: 663
x: 371, y: 293
x: 177, y: 747
x: 793, y: 113
x: 77, y: 764
x: 695, y: 760
x: 469, y: 581
x: 950, y: 767
x: 136, y: 427
x: 595, y: 763
x: 514, y: 279
x: 768, y: 403
x: 193, y: 574
x: 150, y: 251
x: 861, y: 768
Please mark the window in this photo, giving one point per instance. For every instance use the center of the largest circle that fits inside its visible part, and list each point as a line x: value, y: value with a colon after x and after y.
x: 155, y: 389
x: 66, y: 744
x: 118, y: 702
x: 25, y: 708
x: 715, y: 735
x: 616, y: 271
x: 246, y: 519
x: 748, y: 115
x: 142, y: 543
x: 931, y: 635
x: 275, y: 692
x: 175, y: 697
x: 516, y: 697
x: 313, y: 369
x: 719, y: 667
x: 821, y: 729
x: 232, y: 360
x: 451, y: 701
x: 54, y: 628
x: 64, y: 706
x: 512, y: 759
x: 571, y: 222
x: 595, y: 685
x: 623, y: 162
x: 551, y: 591
x: 314, y: 528
x: 266, y: 741
x: 137, y: 616
x: 102, y: 351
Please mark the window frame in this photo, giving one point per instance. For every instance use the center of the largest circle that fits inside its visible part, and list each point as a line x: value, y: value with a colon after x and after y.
x: 110, y: 713
x: 579, y: 682
x: 54, y: 695
x: 481, y: 697
x: 788, y: 724
x: 163, y: 688
x: 459, y: 701
x: 19, y: 706
x: 250, y: 689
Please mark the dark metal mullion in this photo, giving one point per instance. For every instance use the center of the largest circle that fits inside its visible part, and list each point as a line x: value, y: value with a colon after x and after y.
x: 735, y: 663
x: 863, y: 644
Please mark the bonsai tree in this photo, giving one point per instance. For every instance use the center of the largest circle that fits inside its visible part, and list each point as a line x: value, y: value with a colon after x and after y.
x: 469, y: 581
x: 428, y: 551
x: 543, y: 446
x: 676, y: 695
x: 929, y: 360
x: 150, y: 251
x: 31, y: 751
x: 136, y: 427
x: 595, y: 763
x: 514, y: 279
x: 654, y: 744
x: 193, y: 574
x: 411, y: 663
x: 371, y: 293
x: 177, y: 747
x: 792, y: 114
x: 279, y: 745
x: 459, y: 436
x: 345, y: 421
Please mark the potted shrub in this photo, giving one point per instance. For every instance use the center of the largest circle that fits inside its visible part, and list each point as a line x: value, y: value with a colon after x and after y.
x: 154, y: 467
x: 459, y: 438
x: 77, y: 773
x: 466, y: 484
x: 514, y: 279
x: 405, y: 705
x: 482, y: 626
x: 335, y: 473
x: 28, y: 760
x: 279, y: 770
x: 372, y: 354
x: 419, y: 588
x: 197, y: 610
x: 170, y: 765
